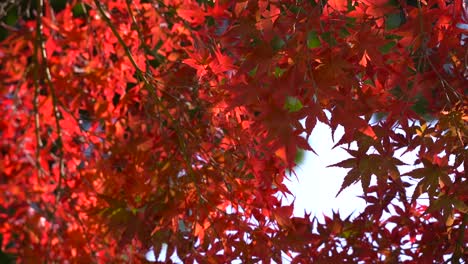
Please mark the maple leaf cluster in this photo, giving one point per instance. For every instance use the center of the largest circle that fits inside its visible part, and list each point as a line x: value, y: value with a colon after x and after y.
x: 130, y: 126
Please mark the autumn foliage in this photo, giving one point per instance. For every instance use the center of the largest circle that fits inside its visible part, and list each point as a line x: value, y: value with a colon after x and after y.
x: 131, y: 125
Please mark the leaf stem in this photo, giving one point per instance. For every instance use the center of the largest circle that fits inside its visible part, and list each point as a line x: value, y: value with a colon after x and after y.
x: 117, y: 35
x: 48, y: 75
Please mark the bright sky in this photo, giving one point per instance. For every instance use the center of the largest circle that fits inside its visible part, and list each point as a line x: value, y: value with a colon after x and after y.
x: 316, y: 185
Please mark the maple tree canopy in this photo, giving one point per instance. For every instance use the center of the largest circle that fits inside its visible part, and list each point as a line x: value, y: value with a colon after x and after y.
x: 135, y: 125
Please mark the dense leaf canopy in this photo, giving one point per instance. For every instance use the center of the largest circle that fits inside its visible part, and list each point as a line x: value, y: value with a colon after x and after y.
x: 131, y: 125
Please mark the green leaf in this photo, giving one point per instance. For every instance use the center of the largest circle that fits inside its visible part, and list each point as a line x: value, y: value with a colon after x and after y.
x: 350, y: 6
x: 295, y: 9
x: 391, y: 36
x: 299, y: 156
x: 138, y: 198
x: 210, y: 21
x: 293, y: 104
x: 6, y: 257
x: 344, y: 33
x: 347, y: 233
x: 279, y: 72
x: 80, y: 10
x: 11, y: 17
x: 277, y: 43
x: 387, y: 47
x: 350, y: 22
x: 312, y: 40
x: 421, y: 107
x: 393, y: 21
x: 397, y: 91
x: 253, y: 71
x: 58, y: 5
x: 329, y: 38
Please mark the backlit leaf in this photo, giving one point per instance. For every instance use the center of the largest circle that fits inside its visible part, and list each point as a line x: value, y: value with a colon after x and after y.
x: 312, y: 40
x: 293, y: 104
x: 393, y: 21
x: 352, y: 177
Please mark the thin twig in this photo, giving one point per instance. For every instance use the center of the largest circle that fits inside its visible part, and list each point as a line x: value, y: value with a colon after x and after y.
x: 37, y: 125
x: 48, y: 75
x: 119, y: 38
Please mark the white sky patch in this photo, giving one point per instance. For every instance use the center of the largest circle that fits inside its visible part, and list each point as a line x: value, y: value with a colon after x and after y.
x: 316, y: 185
